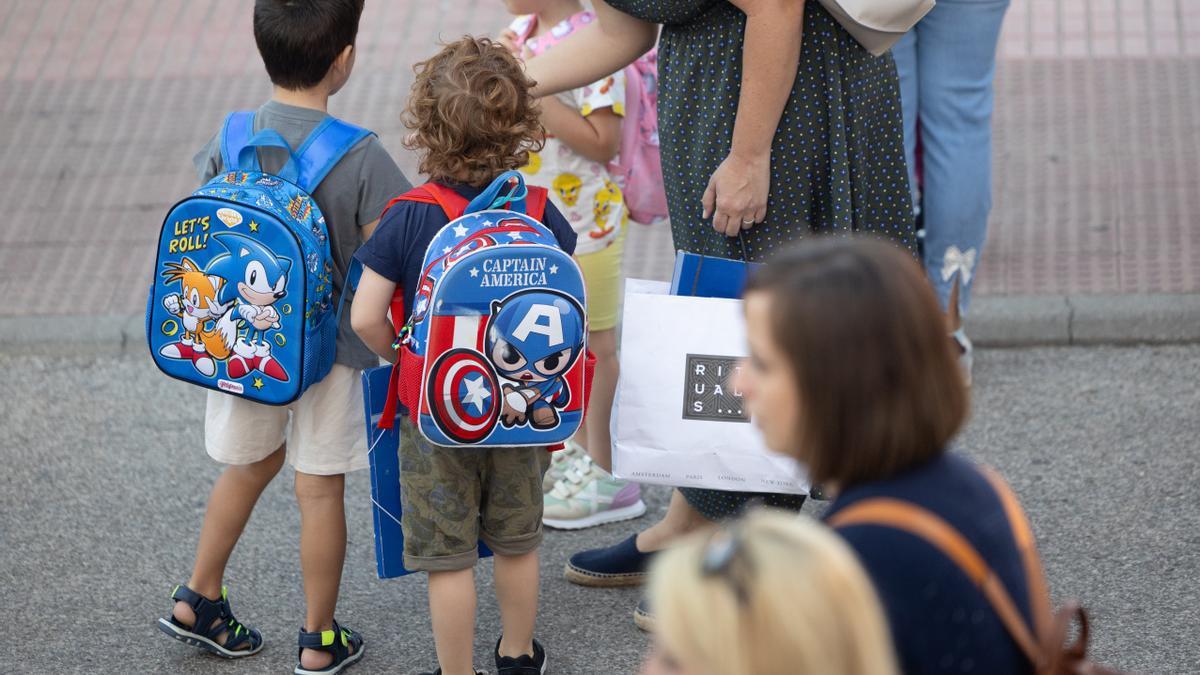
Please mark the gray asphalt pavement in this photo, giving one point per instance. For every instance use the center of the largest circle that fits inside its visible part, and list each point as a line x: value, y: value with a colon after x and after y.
x: 103, y: 482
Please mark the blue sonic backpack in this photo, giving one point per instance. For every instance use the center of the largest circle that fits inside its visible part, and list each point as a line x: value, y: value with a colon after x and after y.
x: 494, y: 352
x: 243, y: 279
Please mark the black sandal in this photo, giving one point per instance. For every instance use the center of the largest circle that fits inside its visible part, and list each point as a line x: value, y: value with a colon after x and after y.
x: 345, y: 645
x: 213, y: 617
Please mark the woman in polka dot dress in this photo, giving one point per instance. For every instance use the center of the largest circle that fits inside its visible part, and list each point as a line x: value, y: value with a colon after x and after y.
x: 774, y: 125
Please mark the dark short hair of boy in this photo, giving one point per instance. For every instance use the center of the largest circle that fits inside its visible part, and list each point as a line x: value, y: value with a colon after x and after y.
x: 300, y: 39
x: 880, y: 388
x: 471, y: 112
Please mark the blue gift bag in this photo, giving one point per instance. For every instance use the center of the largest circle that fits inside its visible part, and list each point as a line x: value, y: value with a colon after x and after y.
x: 706, y: 276
x: 384, y: 445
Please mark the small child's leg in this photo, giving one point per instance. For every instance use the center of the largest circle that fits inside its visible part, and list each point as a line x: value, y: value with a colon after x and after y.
x: 452, y: 611
x: 322, y: 553
x: 517, y: 594
x: 602, y: 276
x: 603, y: 344
x: 229, y: 507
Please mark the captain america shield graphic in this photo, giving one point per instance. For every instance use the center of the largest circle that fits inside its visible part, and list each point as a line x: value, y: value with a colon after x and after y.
x: 464, y: 395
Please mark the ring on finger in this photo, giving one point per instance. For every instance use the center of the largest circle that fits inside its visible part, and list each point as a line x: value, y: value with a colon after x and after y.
x: 747, y: 222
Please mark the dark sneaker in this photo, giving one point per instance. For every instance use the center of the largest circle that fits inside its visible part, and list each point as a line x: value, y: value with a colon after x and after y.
x: 619, y: 565
x: 522, y: 665
x: 642, y: 616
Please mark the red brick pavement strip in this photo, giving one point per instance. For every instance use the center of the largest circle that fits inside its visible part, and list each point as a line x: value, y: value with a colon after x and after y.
x: 104, y: 101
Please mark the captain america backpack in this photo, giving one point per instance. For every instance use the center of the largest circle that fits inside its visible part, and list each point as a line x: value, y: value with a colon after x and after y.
x: 241, y: 296
x: 494, y: 352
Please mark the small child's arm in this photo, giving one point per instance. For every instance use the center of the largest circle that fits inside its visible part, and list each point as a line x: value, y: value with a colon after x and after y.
x: 369, y: 313
x: 596, y: 137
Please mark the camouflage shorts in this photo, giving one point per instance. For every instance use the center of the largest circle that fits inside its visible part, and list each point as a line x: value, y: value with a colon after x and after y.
x: 453, y: 497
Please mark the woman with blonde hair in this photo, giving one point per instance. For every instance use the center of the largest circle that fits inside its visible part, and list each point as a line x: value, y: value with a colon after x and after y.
x: 771, y: 594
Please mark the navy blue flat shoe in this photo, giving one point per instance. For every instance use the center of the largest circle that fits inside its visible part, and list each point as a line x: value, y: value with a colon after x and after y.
x: 619, y: 565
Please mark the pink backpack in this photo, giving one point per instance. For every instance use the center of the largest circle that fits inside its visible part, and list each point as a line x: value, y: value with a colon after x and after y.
x: 638, y: 166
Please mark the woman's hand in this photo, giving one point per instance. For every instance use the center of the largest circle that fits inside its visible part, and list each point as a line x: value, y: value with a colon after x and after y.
x: 736, y: 196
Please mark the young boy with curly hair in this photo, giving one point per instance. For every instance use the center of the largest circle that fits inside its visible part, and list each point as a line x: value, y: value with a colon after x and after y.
x: 472, y: 118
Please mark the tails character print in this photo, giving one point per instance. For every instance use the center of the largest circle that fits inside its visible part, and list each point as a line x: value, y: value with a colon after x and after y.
x: 198, y: 306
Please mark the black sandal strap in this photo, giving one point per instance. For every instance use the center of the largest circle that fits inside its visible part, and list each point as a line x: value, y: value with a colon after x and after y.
x: 207, y: 611
x: 337, y: 641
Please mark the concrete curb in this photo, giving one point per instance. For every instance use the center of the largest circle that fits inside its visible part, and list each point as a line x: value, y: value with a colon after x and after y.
x: 1022, y: 321
x: 1017, y: 321
x: 67, y: 335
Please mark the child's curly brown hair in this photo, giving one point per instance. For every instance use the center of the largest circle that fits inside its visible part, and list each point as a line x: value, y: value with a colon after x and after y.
x: 471, y: 112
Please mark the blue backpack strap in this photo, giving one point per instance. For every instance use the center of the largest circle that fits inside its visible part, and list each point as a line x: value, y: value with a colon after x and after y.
x: 235, y: 134
x: 507, y: 188
x: 324, y: 148
x: 353, y: 274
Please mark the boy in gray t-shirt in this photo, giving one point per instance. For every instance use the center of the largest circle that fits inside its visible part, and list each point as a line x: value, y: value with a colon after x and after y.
x: 308, y: 50
x: 351, y: 198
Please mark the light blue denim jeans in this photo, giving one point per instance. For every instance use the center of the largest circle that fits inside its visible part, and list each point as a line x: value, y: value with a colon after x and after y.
x: 946, y: 67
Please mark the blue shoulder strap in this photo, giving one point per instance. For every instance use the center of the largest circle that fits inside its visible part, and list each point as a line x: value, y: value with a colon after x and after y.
x: 324, y: 148
x: 353, y: 275
x: 235, y: 134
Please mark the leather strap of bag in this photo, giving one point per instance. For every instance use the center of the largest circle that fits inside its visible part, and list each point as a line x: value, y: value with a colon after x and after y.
x: 1045, y: 646
x: 1035, y: 578
x: 924, y: 524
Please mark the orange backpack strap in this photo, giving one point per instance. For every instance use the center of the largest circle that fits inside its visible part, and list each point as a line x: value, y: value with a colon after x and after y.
x: 924, y: 524
x: 1035, y: 578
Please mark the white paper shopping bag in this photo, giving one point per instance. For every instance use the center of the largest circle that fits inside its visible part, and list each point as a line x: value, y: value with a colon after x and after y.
x: 677, y: 420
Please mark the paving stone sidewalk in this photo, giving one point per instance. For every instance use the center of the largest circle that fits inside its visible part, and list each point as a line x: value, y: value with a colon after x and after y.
x: 104, y: 101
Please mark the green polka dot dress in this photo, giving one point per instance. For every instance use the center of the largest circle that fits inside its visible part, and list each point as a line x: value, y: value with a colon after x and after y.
x: 837, y: 161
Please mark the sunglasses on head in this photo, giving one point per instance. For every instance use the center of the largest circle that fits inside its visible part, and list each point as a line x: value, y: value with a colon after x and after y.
x: 725, y: 557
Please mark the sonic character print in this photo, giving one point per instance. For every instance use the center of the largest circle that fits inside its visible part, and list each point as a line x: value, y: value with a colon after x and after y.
x: 533, y: 338
x: 255, y: 279
x: 197, y: 306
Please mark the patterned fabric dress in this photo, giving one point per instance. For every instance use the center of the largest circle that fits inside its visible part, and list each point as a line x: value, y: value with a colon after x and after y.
x: 837, y: 161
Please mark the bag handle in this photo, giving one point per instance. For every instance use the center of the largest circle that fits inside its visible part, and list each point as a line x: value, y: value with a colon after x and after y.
x: 247, y: 155
x: 704, y: 254
x: 494, y: 197
x: 923, y: 524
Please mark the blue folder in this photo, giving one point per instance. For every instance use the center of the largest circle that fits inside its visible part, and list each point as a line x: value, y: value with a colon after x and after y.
x: 384, y: 447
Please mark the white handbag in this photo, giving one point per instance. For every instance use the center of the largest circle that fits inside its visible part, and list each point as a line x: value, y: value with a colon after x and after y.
x: 877, y: 24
